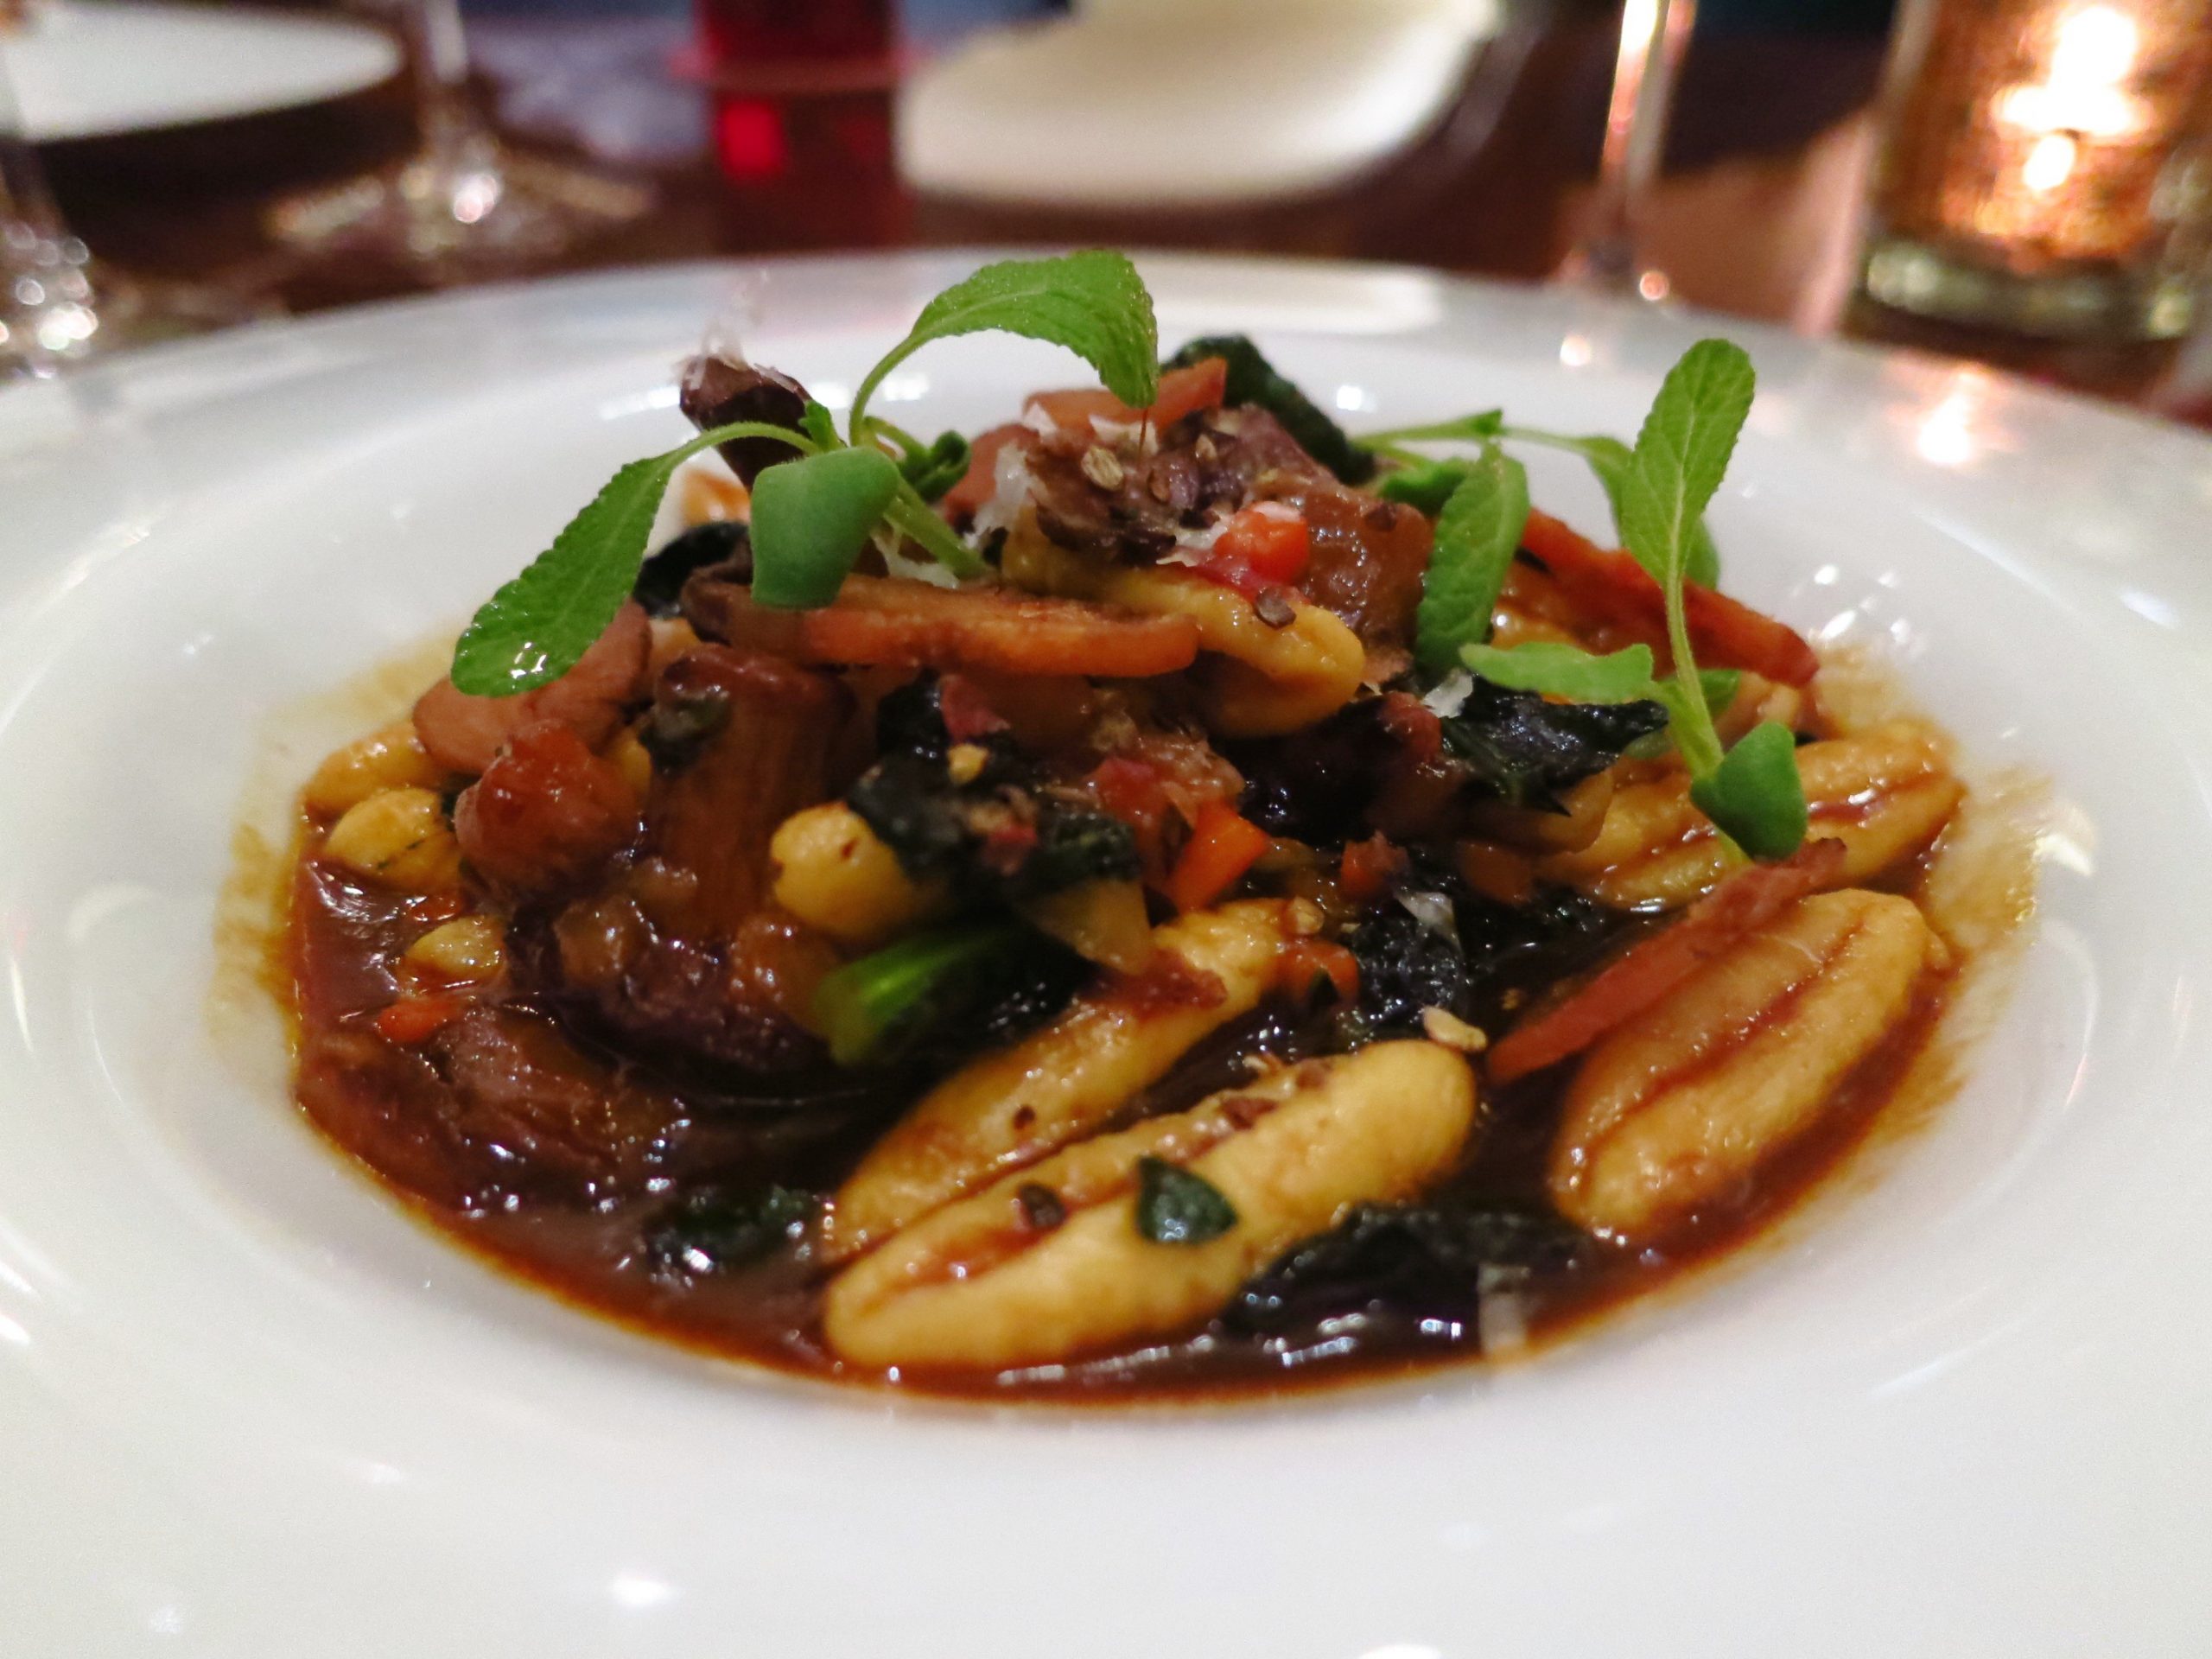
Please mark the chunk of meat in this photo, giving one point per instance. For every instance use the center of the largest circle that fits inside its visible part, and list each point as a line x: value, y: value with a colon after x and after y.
x: 546, y: 814
x: 736, y: 1001
x: 1647, y: 970
x: 1367, y: 563
x: 1613, y: 586
x: 884, y: 622
x: 522, y: 1092
x: 1135, y: 508
x: 766, y: 737
x: 462, y: 733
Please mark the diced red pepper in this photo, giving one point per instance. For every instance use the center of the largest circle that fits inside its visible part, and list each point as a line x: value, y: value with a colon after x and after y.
x: 1311, y: 960
x: 1182, y: 391
x: 1368, y: 867
x: 1222, y: 846
x: 416, y: 1019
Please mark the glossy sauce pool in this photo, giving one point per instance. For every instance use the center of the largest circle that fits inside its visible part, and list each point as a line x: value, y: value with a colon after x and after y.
x: 365, y: 1094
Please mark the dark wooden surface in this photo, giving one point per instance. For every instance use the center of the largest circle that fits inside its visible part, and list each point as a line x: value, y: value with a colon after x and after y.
x: 1755, y: 216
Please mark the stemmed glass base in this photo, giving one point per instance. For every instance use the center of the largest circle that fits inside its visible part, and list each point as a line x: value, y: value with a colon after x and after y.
x: 464, y: 206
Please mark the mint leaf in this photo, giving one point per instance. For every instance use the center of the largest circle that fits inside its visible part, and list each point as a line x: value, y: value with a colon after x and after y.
x: 1609, y: 461
x: 1176, y: 1207
x: 1477, y: 535
x: 1564, y: 671
x: 820, y: 424
x: 811, y: 518
x: 533, y: 629
x: 1755, y: 794
x: 1092, y: 303
x: 1461, y: 428
x: 1682, y: 454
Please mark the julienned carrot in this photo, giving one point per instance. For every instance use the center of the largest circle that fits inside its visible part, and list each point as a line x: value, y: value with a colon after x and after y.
x: 1743, y: 903
x: 1725, y: 633
x: 1309, y: 961
x: 1222, y: 846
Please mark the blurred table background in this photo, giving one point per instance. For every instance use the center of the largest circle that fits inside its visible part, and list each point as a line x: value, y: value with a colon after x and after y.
x: 1755, y: 213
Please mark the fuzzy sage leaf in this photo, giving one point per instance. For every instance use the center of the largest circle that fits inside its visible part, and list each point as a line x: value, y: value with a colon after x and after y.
x: 1564, y: 671
x: 1477, y: 535
x: 1092, y: 303
x: 533, y: 630
x: 811, y: 518
x: 1755, y: 794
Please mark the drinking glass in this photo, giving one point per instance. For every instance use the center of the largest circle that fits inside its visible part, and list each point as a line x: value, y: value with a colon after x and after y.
x: 462, y: 206
x: 1654, y: 34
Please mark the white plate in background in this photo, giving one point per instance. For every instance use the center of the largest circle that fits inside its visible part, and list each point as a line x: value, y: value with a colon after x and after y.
x: 91, y: 68
x: 249, y: 1409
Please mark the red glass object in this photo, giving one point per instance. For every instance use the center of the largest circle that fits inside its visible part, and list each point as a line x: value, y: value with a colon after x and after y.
x: 802, y: 93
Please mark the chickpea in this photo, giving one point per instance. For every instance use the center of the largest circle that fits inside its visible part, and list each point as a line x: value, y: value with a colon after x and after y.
x: 398, y: 838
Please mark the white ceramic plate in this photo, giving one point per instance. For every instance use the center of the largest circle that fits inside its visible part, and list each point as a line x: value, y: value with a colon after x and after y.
x: 249, y: 1409
x: 88, y: 69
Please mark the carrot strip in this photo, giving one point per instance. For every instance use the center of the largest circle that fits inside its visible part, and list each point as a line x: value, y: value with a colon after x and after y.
x: 1182, y: 391
x: 1725, y: 632
x: 1743, y: 903
x: 886, y: 621
x: 1222, y: 846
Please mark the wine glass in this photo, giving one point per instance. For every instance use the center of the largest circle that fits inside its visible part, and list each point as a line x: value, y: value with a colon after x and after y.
x: 1606, y: 257
x: 58, y: 304
x: 462, y: 206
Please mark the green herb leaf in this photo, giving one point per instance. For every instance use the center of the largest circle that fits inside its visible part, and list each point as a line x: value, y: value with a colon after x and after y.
x: 1254, y: 380
x: 1609, y: 461
x: 1755, y: 794
x: 933, y: 471
x: 1092, y: 303
x: 820, y: 424
x: 533, y: 629
x: 1176, y: 1207
x: 1463, y: 429
x: 1425, y: 485
x: 1476, y: 537
x: 870, y: 1008
x: 1682, y: 454
x: 811, y: 518
x: 1564, y: 671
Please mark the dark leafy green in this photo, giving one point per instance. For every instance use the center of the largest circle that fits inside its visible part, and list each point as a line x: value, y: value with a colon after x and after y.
x: 935, y: 469
x: 716, y: 1228
x: 1527, y: 751
x: 1176, y: 1207
x: 1425, y: 485
x: 659, y: 586
x: 1254, y: 380
x: 1415, y: 1264
x: 878, y: 1008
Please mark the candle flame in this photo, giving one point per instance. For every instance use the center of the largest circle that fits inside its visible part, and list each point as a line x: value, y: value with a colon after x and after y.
x: 2094, y: 50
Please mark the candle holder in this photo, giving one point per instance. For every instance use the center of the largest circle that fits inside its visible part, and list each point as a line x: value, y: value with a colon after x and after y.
x: 2045, y: 169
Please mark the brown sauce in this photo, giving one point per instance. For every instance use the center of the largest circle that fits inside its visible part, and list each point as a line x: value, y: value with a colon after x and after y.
x: 373, y: 1099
